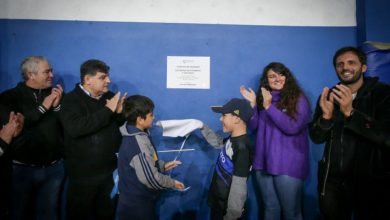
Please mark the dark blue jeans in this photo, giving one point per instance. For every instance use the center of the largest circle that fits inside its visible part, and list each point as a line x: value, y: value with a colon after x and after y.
x: 281, y: 194
x: 36, y: 191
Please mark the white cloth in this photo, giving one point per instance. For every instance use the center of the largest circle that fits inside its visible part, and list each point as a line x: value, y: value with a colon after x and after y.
x: 179, y: 128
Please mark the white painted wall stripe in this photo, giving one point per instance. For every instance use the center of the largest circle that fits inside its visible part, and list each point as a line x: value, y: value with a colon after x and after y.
x: 241, y: 12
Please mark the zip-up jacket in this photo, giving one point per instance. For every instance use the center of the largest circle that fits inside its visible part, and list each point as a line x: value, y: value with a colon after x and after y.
x: 41, y: 140
x: 358, y: 147
x: 140, y: 171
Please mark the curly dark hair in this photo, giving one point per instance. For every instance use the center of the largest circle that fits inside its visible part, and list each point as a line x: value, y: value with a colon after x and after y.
x: 289, y: 94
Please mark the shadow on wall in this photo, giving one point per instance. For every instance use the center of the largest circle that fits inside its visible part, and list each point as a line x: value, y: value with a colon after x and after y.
x: 124, y: 86
x: 66, y: 80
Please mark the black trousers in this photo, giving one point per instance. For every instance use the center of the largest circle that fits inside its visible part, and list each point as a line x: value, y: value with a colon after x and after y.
x: 360, y: 201
x: 91, y: 200
x: 217, y: 213
x: 336, y: 204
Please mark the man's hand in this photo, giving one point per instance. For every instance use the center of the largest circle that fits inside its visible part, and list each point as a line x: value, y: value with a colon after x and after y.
x: 171, y: 164
x: 119, y: 108
x: 112, y: 103
x: 12, y: 128
x: 249, y: 95
x: 48, y: 101
x: 57, y: 91
x: 267, y: 98
x: 19, y: 120
x: 343, y: 95
x: 326, y: 105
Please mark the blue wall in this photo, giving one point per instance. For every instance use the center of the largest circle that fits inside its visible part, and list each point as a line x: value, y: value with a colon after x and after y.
x: 373, y: 20
x: 378, y: 20
x: 136, y: 53
x: 373, y: 25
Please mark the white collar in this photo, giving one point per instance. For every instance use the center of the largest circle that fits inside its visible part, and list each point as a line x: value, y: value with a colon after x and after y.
x: 354, y: 95
x: 88, y: 93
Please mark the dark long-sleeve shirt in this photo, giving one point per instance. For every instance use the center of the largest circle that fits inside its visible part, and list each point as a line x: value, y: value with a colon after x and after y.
x: 92, y: 135
x: 228, y: 190
x: 41, y: 140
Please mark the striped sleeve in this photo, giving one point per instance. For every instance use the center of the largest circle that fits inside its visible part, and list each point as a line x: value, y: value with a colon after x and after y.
x: 58, y: 108
x: 42, y: 109
x: 145, y: 168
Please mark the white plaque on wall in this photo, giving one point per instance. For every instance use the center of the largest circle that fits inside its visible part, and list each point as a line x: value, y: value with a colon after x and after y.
x: 188, y: 72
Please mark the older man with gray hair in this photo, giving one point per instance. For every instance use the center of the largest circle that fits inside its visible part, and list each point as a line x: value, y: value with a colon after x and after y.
x: 37, y: 169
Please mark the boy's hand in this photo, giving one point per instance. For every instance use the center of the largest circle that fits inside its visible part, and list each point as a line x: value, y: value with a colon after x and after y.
x: 171, y: 164
x: 179, y: 185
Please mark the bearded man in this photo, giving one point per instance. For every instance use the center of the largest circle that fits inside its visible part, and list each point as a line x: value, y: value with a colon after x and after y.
x: 353, y: 119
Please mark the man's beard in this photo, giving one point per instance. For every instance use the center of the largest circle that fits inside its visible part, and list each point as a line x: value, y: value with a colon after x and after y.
x: 356, y: 77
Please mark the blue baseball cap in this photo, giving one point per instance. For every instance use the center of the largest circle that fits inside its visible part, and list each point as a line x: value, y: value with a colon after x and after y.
x: 239, y: 107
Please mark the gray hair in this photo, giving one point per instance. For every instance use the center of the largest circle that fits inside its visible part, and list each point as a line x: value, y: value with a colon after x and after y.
x: 30, y: 65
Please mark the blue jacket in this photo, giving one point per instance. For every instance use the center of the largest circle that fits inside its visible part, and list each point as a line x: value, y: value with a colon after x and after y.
x: 140, y: 171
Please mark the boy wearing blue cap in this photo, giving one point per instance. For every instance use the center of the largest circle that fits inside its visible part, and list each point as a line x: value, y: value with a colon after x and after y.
x: 228, y: 190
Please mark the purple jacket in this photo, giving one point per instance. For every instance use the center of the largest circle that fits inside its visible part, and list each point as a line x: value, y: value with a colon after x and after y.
x: 282, y: 144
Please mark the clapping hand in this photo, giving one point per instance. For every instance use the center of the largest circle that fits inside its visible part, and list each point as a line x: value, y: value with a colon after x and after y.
x: 249, y: 95
x: 53, y: 100
x: 120, y: 103
x: 267, y: 98
x: 12, y: 128
x: 18, y: 119
x: 112, y: 103
x: 115, y: 104
x: 327, y: 105
x: 57, y: 92
x: 343, y: 96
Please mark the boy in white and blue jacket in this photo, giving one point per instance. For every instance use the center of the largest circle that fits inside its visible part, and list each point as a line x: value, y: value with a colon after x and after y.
x: 140, y: 171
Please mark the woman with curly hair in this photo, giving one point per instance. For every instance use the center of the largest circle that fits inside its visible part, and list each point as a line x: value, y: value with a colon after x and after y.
x: 280, y: 163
